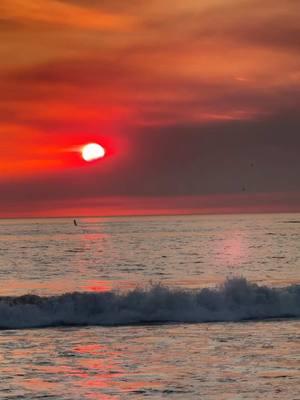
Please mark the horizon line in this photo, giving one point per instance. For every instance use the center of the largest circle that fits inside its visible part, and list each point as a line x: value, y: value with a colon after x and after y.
x: 249, y: 212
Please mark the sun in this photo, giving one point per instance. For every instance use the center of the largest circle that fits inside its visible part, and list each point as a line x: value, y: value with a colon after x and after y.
x: 92, y: 152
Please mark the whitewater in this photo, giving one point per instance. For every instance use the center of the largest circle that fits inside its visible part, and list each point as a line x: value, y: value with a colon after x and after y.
x: 181, y: 307
x: 236, y: 300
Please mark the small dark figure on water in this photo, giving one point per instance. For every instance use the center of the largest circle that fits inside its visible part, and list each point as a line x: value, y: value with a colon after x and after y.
x: 75, y: 222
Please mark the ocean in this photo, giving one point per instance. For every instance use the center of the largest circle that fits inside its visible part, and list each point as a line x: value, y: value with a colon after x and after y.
x: 177, y: 307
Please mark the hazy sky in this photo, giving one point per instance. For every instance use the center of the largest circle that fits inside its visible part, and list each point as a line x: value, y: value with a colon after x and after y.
x: 197, y: 103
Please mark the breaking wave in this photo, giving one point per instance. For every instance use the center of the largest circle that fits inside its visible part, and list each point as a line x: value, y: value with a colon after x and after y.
x: 235, y: 300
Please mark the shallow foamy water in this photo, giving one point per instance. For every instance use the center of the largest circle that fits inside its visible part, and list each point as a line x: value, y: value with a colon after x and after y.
x: 211, y: 361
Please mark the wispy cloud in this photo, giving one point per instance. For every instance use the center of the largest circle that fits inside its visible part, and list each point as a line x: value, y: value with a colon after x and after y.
x: 53, y: 12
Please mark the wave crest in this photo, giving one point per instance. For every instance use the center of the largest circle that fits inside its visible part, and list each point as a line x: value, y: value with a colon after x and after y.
x: 235, y: 300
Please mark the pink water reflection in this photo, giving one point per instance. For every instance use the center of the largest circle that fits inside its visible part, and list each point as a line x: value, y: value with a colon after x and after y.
x: 105, y: 373
x: 97, y: 286
x: 232, y: 250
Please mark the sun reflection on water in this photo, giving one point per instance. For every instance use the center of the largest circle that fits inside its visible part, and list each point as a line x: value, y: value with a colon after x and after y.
x: 232, y: 249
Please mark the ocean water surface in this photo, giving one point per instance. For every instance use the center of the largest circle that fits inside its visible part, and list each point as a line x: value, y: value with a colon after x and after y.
x: 182, y: 307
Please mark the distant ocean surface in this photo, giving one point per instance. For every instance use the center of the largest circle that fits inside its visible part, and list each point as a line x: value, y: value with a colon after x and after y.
x: 179, y: 307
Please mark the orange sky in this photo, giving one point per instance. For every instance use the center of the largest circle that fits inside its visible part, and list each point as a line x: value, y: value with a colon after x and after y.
x: 153, y: 81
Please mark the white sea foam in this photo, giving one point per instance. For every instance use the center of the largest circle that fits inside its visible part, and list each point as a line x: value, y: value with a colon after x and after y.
x: 235, y: 300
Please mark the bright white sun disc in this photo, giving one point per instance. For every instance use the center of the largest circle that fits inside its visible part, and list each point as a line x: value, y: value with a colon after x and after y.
x: 92, y: 151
